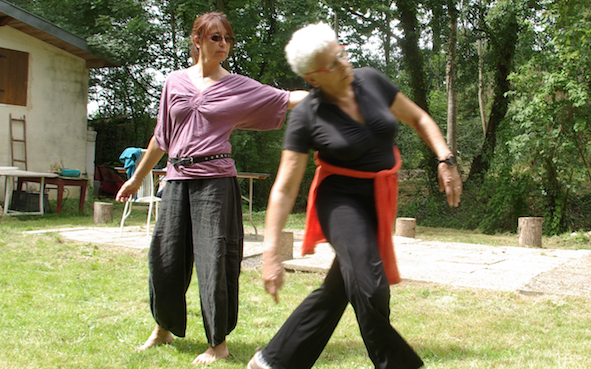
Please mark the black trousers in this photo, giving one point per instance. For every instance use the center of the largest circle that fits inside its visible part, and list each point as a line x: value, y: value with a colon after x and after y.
x: 357, y: 276
x: 200, y: 221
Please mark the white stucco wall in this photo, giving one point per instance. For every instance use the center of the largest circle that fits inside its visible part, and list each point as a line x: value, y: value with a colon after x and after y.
x: 56, y: 107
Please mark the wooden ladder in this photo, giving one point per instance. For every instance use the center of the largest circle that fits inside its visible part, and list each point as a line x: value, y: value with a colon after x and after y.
x: 18, y: 142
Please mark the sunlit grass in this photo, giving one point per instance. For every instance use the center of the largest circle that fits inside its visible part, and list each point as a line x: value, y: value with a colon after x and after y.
x: 68, y: 304
x: 71, y: 305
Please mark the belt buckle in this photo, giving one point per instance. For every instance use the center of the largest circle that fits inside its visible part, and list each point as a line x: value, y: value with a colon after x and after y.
x: 191, y: 161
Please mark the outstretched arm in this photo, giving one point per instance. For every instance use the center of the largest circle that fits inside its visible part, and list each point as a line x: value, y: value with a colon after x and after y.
x: 410, y: 113
x: 295, y: 97
x: 149, y: 160
x: 281, y: 200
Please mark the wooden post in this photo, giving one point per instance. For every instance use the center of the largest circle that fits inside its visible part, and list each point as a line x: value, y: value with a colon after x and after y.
x: 286, y: 247
x: 530, y: 231
x: 103, y: 212
x: 405, y: 227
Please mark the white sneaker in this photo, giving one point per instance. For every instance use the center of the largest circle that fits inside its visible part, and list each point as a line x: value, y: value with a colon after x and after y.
x: 258, y: 362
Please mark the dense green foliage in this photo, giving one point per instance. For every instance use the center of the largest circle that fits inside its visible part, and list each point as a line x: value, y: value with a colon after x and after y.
x: 528, y: 154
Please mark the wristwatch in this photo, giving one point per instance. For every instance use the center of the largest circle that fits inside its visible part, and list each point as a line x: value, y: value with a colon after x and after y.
x: 450, y: 160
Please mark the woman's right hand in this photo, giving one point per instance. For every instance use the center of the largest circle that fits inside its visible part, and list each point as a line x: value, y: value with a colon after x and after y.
x: 128, y: 190
x: 148, y: 161
x: 272, y: 273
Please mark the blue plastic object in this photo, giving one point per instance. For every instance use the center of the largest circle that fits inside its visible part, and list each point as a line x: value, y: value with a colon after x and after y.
x: 70, y: 173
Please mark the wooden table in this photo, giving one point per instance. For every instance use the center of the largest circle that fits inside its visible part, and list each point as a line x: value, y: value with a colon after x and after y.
x: 60, y: 182
x: 251, y: 177
x: 8, y: 185
x: 241, y: 175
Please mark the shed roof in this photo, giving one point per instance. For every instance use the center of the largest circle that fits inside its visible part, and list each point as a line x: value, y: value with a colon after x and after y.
x: 35, y: 26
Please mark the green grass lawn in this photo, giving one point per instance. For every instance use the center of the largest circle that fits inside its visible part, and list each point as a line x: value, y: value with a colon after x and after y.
x: 65, y: 304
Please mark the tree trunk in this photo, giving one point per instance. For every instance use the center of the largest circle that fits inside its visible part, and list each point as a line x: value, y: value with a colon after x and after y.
x: 502, y: 42
x: 388, y: 42
x: 437, y: 8
x: 413, y: 62
x: 530, y: 231
x: 285, y: 251
x: 481, y: 87
x: 103, y: 212
x: 405, y: 227
x: 221, y: 6
x: 556, y: 198
x: 452, y: 107
x: 271, y: 19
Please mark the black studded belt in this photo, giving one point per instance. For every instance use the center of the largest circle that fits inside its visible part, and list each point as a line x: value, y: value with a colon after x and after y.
x: 196, y: 159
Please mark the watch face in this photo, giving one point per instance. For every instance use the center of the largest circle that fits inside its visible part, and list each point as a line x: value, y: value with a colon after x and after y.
x: 451, y: 161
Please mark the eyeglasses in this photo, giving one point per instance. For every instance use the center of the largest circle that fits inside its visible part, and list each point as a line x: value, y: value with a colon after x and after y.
x: 218, y: 38
x: 341, y: 56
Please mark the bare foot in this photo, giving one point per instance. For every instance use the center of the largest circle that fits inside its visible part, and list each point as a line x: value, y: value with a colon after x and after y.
x: 212, y: 354
x: 258, y: 362
x: 159, y: 336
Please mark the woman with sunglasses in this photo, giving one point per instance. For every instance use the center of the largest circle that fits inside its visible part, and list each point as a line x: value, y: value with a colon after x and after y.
x: 350, y: 119
x: 201, y: 212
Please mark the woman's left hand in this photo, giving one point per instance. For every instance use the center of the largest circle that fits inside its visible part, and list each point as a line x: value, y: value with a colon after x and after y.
x: 272, y: 274
x: 450, y: 182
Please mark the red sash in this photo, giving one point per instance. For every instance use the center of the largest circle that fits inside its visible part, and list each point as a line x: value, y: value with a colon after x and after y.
x: 386, y: 198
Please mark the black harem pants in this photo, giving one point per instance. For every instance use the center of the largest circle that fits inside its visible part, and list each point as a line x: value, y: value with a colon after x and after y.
x: 200, y: 222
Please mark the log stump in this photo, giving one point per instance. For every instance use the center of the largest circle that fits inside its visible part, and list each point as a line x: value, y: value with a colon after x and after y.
x: 405, y: 227
x: 103, y: 212
x: 286, y: 247
x: 530, y: 231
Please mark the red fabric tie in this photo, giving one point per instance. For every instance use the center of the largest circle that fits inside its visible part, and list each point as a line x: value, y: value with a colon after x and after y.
x: 386, y: 198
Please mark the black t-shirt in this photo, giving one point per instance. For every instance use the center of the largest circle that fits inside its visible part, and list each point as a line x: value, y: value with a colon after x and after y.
x: 318, y: 125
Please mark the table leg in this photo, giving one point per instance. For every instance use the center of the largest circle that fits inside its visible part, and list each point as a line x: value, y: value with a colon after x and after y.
x: 8, y: 193
x: 250, y: 205
x: 60, y: 197
x: 82, y: 197
x: 42, y: 195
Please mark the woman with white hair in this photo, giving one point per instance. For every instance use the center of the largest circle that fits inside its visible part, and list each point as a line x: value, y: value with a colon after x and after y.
x: 350, y: 119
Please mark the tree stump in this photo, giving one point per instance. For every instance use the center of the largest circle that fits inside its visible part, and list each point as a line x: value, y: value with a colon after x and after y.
x: 405, y: 227
x: 103, y: 212
x: 286, y: 247
x: 530, y: 231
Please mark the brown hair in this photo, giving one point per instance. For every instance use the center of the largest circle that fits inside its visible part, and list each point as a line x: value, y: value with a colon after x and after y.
x: 202, y: 25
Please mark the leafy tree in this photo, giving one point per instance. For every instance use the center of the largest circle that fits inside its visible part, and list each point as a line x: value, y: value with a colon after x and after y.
x: 503, y: 29
x: 552, y: 105
x: 534, y: 87
x: 121, y: 31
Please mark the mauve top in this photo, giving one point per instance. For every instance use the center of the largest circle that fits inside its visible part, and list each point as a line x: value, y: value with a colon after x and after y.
x: 199, y: 123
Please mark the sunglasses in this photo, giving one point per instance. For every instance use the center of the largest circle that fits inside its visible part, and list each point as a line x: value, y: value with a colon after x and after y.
x: 341, y: 56
x: 218, y: 38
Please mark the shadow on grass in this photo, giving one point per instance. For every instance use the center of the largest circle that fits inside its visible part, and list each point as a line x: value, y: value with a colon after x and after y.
x: 454, y: 352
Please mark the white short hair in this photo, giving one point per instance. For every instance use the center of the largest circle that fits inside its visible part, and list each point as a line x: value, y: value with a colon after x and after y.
x: 305, y: 44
